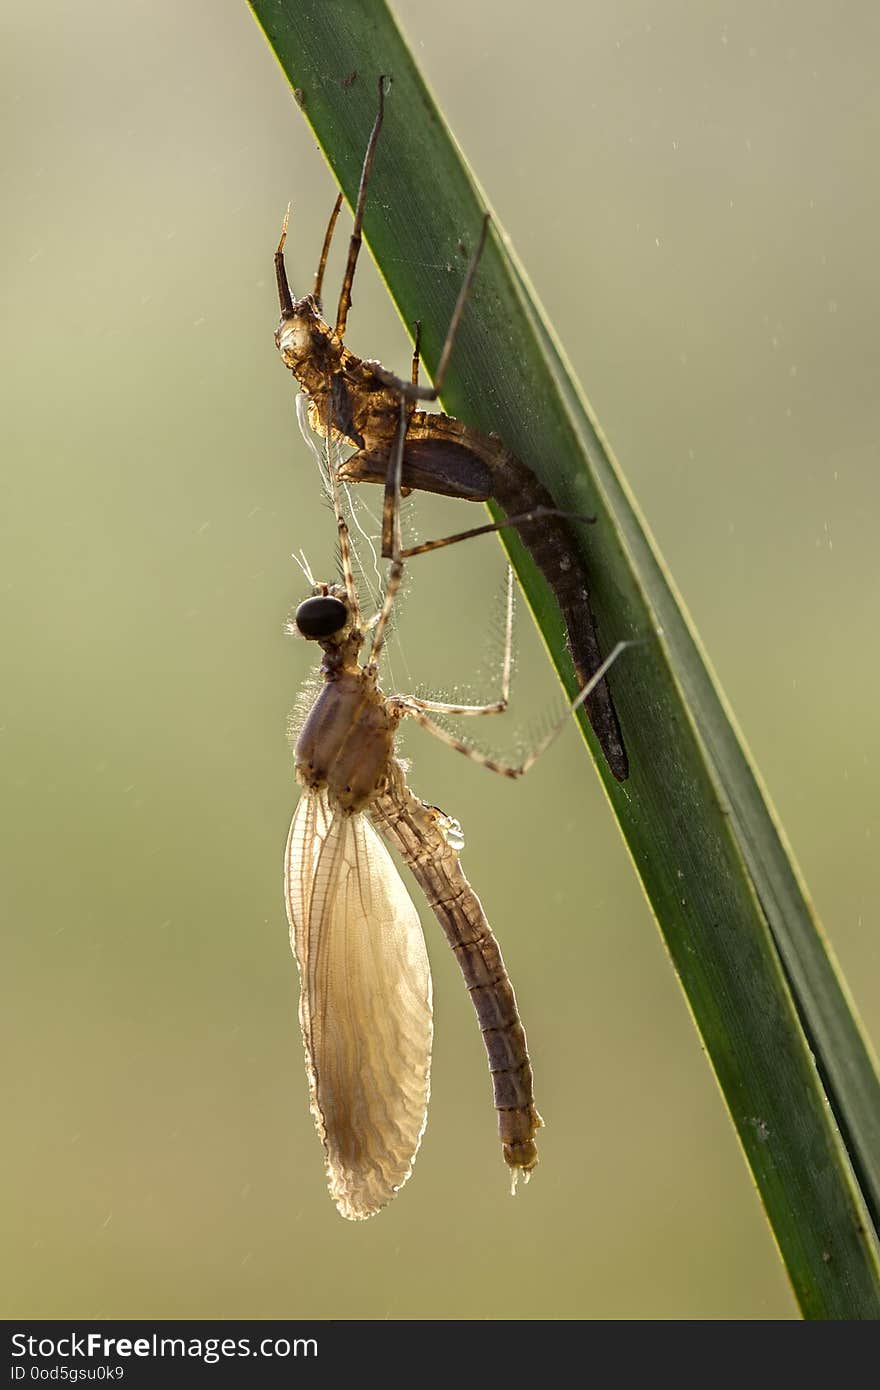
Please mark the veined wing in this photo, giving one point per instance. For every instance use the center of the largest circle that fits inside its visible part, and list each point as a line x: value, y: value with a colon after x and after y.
x: 365, y: 1002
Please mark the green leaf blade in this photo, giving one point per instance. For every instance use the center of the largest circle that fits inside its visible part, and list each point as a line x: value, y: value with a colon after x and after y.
x: 758, y: 977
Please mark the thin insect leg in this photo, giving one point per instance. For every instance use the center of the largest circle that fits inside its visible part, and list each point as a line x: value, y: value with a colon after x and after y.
x: 354, y: 245
x: 284, y: 296
x: 394, y: 577
x: 520, y: 769
x: 537, y: 514
x: 344, y: 545
x: 368, y: 541
x: 391, y: 519
x: 411, y: 389
x: 325, y: 251
x: 417, y: 342
x: 508, y: 639
x: 463, y: 296
x: 391, y: 546
x: 411, y: 704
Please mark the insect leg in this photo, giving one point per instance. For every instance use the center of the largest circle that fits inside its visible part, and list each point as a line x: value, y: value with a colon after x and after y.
x: 515, y: 770
x: 354, y: 245
x: 411, y: 389
x: 537, y: 514
x: 391, y: 533
x: 325, y: 251
x: 463, y: 296
x: 411, y: 704
x: 391, y: 539
x: 345, y: 555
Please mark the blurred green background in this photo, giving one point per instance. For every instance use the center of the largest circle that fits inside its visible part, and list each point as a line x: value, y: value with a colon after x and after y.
x: 693, y: 191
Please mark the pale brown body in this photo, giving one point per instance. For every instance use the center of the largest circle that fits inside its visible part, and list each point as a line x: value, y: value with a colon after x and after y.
x: 347, y: 739
x: 413, y: 828
x: 345, y: 752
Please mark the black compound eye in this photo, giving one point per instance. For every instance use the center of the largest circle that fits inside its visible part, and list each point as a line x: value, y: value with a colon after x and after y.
x: 321, y: 616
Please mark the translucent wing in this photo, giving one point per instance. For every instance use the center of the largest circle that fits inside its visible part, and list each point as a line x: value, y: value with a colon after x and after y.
x: 365, y: 1002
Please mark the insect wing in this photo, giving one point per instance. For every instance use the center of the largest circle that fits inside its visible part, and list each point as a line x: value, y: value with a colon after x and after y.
x: 365, y: 1002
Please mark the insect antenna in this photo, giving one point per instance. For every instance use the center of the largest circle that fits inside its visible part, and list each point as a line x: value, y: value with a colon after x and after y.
x: 305, y: 567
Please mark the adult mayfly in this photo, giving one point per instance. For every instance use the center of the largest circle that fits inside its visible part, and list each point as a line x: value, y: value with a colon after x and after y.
x: 357, y: 402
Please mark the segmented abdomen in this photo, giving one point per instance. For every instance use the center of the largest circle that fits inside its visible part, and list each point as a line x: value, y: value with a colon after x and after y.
x: 416, y: 831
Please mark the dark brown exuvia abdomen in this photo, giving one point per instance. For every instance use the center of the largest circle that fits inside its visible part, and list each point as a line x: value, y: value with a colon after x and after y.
x: 436, y: 443
x: 555, y: 551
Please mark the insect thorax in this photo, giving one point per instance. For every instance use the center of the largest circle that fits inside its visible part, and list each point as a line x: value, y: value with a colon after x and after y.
x: 347, y: 741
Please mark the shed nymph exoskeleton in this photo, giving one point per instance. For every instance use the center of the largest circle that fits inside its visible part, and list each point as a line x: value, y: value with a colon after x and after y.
x: 358, y: 403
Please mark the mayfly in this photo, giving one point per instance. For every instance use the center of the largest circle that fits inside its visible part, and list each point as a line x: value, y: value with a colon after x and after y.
x: 357, y: 402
